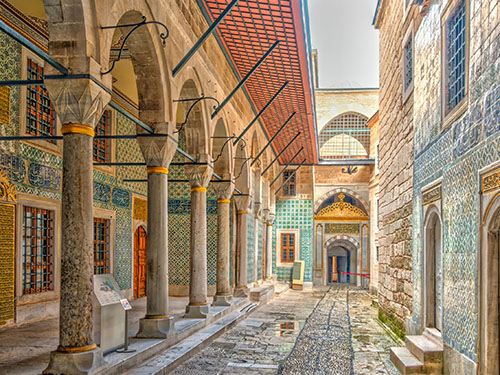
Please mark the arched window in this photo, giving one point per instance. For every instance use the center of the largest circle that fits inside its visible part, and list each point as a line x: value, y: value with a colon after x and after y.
x: 345, y: 137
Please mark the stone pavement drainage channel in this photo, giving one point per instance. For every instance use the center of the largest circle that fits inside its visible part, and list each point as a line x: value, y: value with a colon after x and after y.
x: 324, y: 344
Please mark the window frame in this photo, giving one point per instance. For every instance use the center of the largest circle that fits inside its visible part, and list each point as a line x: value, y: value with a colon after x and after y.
x: 447, y: 118
x: 24, y: 200
x: 53, y: 147
x: 279, y: 232
x: 289, y: 184
x: 108, y: 169
x: 104, y: 214
x: 409, y: 37
x: 288, y: 247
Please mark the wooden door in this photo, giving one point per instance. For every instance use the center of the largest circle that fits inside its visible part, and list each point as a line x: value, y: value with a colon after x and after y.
x: 140, y: 263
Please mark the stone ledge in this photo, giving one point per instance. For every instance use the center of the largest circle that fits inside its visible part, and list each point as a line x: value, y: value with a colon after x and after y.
x: 262, y: 294
x: 119, y: 363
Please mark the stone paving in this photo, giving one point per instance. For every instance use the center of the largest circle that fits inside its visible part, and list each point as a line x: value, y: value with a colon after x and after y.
x: 320, y: 331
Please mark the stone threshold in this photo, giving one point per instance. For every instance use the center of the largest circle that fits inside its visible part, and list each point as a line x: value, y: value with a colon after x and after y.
x: 220, y: 316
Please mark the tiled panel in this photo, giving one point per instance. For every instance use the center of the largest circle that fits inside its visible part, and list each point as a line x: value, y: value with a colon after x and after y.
x: 295, y: 214
x: 456, y: 155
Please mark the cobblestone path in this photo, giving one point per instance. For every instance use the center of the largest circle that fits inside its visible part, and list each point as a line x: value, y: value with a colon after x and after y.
x: 320, y: 331
x: 341, y: 337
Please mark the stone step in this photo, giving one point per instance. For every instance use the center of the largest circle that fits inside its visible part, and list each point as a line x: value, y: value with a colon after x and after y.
x: 405, y: 362
x: 169, y: 359
x: 425, y: 350
x: 434, y: 335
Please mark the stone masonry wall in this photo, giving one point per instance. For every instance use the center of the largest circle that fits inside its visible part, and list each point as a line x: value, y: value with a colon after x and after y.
x: 396, y: 168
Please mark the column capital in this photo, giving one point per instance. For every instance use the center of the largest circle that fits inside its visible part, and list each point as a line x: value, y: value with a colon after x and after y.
x: 77, y: 101
x: 158, y: 151
x: 224, y: 190
x: 199, y: 175
x: 243, y: 202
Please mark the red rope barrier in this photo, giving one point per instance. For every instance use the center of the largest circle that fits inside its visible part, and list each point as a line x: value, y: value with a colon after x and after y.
x: 367, y: 275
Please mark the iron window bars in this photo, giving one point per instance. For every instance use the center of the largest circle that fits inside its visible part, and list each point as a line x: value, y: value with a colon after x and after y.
x: 38, y: 250
x: 101, y: 246
x: 40, y: 116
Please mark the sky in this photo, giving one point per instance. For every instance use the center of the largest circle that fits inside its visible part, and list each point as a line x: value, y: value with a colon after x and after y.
x: 347, y: 43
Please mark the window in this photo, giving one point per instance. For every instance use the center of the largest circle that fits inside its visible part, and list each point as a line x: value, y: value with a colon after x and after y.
x: 455, y: 55
x: 287, y: 247
x: 345, y: 137
x: 101, y: 246
x: 40, y: 116
x: 102, y: 147
x: 289, y: 187
x: 407, y: 65
x: 38, y: 250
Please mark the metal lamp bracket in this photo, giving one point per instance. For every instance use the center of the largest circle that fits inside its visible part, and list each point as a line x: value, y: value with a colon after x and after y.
x: 135, y: 26
x: 195, y: 101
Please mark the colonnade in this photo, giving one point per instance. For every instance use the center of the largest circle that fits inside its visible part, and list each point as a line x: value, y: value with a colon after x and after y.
x: 79, y: 118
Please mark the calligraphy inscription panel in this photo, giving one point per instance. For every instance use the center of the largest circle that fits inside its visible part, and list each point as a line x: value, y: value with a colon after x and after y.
x: 7, y: 250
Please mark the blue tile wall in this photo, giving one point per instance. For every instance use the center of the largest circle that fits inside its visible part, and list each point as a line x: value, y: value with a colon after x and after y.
x: 295, y: 214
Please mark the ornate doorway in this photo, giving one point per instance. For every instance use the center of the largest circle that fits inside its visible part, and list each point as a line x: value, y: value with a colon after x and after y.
x: 140, y: 262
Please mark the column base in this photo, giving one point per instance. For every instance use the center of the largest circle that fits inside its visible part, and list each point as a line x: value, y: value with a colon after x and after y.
x: 269, y: 280
x: 241, y: 291
x: 83, y: 363
x: 150, y: 328
x: 197, y: 311
x: 223, y: 300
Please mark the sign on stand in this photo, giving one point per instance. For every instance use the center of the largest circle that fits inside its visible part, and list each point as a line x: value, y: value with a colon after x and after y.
x: 109, y: 313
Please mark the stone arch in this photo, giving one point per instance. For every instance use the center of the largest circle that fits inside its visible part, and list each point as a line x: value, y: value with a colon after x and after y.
x: 75, y: 48
x: 222, y: 150
x: 489, y: 268
x: 196, y: 129
x: 350, y: 192
x: 341, y: 237
x: 351, y: 128
x: 147, y: 57
x: 241, y: 168
x: 433, y: 269
x: 351, y: 246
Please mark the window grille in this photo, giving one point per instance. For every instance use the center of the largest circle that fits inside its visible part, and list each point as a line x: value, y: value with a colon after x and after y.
x: 38, y: 250
x: 101, y: 246
x: 408, y: 64
x: 345, y: 137
x: 102, y: 147
x: 40, y: 116
x: 287, y: 247
x: 455, y: 57
x: 289, y: 187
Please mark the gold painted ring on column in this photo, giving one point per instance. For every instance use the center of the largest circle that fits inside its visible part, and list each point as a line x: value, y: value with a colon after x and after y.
x: 199, y: 188
x: 269, y: 224
x: 198, y: 304
x: 157, y: 316
x: 223, y: 294
x: 240, y: 287
x: 242, y: 212
x: 223, y: 201
x: 163, y: 170
x: 77, y: 129
x: 79, y: 349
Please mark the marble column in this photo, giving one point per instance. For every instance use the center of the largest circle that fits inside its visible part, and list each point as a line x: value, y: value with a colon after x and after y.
x: 79, y: 105
x: 256, y: 242
x: 223, y: 296
x: 158, y: 152
x: 199, y: 177
x: 243, y: 203
x: 269, y: 247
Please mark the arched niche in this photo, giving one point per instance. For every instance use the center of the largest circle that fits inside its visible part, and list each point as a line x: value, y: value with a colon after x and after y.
x: 222, y: 150
x: 433, y: 270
